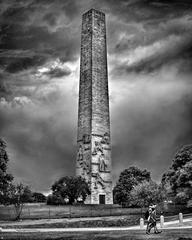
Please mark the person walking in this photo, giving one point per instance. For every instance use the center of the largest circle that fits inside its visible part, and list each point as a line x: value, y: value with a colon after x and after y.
x: 152, y: 221
x: 149, y: 220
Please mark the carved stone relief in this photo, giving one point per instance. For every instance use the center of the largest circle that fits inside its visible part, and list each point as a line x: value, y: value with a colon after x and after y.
x: 80, y: 153
x: 105, y: 139
x: 102, y: 163
x: 86, y: 138
x: 97, y: 148
x: 98, y: 144
x: 83, y: 160
x: 98, y: 180
x: 86, y: 167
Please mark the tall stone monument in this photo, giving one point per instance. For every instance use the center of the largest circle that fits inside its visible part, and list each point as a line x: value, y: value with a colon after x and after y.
x: 93, y: 141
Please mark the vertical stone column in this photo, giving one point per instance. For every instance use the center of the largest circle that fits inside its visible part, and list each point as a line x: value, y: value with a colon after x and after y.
x: 94, y: 145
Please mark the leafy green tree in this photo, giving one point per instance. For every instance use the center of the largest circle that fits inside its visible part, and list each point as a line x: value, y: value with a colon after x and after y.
x: 18, y: 195
x: 127, y: 180
x: 38, y: 197
x: 55, y: 199
x: 178, y: 179
x: 71, y: 188
x: 146, y: 193
x: 10, y: 193
x: 5, y: 178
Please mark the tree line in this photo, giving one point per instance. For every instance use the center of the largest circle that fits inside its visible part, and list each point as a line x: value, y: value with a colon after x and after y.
x: 134, y: 188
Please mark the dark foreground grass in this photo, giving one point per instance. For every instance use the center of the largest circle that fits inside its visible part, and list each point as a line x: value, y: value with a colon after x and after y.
x: 184, y: 234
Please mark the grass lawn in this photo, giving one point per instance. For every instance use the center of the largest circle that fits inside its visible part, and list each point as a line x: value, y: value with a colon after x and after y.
x: 128, y: 220
x: 179, y: 234
x: 74, y: 222
x: 43, y: 211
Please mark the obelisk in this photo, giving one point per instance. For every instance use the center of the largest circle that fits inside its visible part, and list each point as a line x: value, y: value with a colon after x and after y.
x: 93, y: 141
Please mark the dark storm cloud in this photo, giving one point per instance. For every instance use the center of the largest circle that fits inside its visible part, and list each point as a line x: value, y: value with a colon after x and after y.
x: 2, y: 85
x: 150, y: 33
x: 138, y: 25
x: 35, y: 36
x: 180, y: 54
x: 3, y: 89
x: 37, y: 146
x: 57, y: 72
x: 37, y: 39
x: 48, y: 35
x: 152, y: 123
x: 140, y: 10
x: 67, y: 7
x: 34, y: 26
x: 24, y: 63
x: 51, y: 19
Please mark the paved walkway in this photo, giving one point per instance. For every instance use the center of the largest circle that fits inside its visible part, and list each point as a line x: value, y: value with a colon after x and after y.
x: 167, y: 225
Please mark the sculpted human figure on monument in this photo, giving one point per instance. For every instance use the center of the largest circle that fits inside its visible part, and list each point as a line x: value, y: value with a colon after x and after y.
x: 98, y: 148
x: 102, y: 163
x: 99, y: 180
x: 105, y: 139
x: 86, y: 138
x: 85, y: 167
x: 80, y: 154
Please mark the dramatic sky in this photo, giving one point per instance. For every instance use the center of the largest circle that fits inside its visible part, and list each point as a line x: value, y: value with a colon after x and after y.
x: 150, y: 84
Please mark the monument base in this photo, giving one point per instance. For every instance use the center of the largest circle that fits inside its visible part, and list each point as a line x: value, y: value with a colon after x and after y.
x: 100, y: 198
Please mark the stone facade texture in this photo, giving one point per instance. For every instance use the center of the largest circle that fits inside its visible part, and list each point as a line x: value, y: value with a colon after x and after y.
x: 93, y: 141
